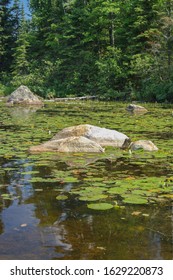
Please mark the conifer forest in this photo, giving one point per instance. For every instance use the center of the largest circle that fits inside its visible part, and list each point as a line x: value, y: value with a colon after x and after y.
x: 112, y: 49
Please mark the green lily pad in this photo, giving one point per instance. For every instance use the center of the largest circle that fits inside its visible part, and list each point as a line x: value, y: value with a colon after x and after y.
x: 62, y: 197
x: 6, y: 196
x: 138, y: 192
x: 109, y: 182
x: 92, y: 197
x: 70, y: 180
x: 93, y: 179
x: 132, y: 199
x: 117, y: 190
x: 29, y: 172
x: 116, y: 206
x: 100, y: 206
x: 39, y: 179
x: 97, y: 184
x: 167, y: 196
x: 88, y: 191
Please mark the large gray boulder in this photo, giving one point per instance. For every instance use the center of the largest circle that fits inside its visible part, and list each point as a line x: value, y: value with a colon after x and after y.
x: 23, y: 96
x: 77, y: 144
x: 145, y: 145
x: 102, y: 136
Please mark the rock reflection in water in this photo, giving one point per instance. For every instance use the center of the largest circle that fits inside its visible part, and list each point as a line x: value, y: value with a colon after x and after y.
x: 23, y: 113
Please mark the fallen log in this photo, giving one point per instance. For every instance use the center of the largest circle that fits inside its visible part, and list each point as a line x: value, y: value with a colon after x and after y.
x: 65, y: 99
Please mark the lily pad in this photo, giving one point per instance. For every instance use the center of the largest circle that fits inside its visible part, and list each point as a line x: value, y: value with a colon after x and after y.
x: 138, y: 192
x: 89, y: 191
x: 39, y: 179
x: 100, y: 206
x: 6, y: 196
x: 117, y: 190
x: 98, y: 184
x: 92, y: 197
x: 70, y: 180
x: 29, y: 172
x: 62, y: 197
x: 132, y: 199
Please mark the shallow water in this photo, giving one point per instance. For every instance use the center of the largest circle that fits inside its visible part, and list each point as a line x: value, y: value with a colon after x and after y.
x: 35, y: 224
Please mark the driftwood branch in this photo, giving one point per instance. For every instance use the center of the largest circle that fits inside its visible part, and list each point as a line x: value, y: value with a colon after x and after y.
x: 70, y: 99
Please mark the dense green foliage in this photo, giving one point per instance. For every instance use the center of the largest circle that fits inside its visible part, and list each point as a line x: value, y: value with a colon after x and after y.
x: 112, y: 49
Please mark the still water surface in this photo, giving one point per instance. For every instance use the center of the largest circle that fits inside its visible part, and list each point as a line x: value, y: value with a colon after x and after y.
x: 35, y: 225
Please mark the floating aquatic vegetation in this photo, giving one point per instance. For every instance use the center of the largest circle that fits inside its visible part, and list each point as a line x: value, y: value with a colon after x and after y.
x: 113, y: 175
x: 100, y: 206
x: 92, y: 197
x: 118, y: 190
x: 40, y: 179
x: 9, y: 168
x: 97, y: 184
x: 134, y: 199
x: 8, y: 196
x: 61, y: 197
x: 29, y: 172
x: 70, y: 180
x: 93, y: 179
x: 128, y: 191
x: 42, y: 163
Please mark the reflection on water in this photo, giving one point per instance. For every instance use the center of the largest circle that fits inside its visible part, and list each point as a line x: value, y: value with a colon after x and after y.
x: 34, y: 225
x: 20, y: 114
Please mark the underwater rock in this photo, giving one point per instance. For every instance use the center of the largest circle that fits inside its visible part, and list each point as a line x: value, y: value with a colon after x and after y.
x: 146, y: 145
x: 136, y: 108
x: 102, y: 136
x: 23, y: 96
x: 69, y: 145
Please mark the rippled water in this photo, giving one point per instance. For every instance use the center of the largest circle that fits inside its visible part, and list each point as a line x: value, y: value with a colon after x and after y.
x: 35, y: 225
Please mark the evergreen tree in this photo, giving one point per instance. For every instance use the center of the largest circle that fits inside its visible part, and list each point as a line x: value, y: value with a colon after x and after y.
x: 6, y: 35
x: 155, y: 66
x: 20, y: 62
x: 113, y: 48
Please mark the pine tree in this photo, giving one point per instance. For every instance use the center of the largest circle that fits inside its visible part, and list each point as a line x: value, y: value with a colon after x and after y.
x: 166, y: 38
x: 6, y: 38
x: 112, y: 48
x: 161, y: 81
x: 20, y: 62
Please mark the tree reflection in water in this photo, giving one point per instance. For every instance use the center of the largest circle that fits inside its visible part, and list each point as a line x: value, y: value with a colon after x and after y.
x: 36, y: 226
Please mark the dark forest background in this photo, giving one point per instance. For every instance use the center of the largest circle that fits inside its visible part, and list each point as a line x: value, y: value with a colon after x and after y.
x: 114, y: 49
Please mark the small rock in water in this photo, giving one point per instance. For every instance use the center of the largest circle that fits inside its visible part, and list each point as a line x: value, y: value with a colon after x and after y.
x: 136, y: 108
x: 145, y: 145
x: 23, y: 96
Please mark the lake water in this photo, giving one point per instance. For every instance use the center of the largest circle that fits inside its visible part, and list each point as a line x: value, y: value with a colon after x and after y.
x: 47, y: 200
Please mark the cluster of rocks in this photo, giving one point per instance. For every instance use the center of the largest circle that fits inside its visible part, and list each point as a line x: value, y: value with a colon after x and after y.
x: 91, y: 139
x: 81, y: 138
